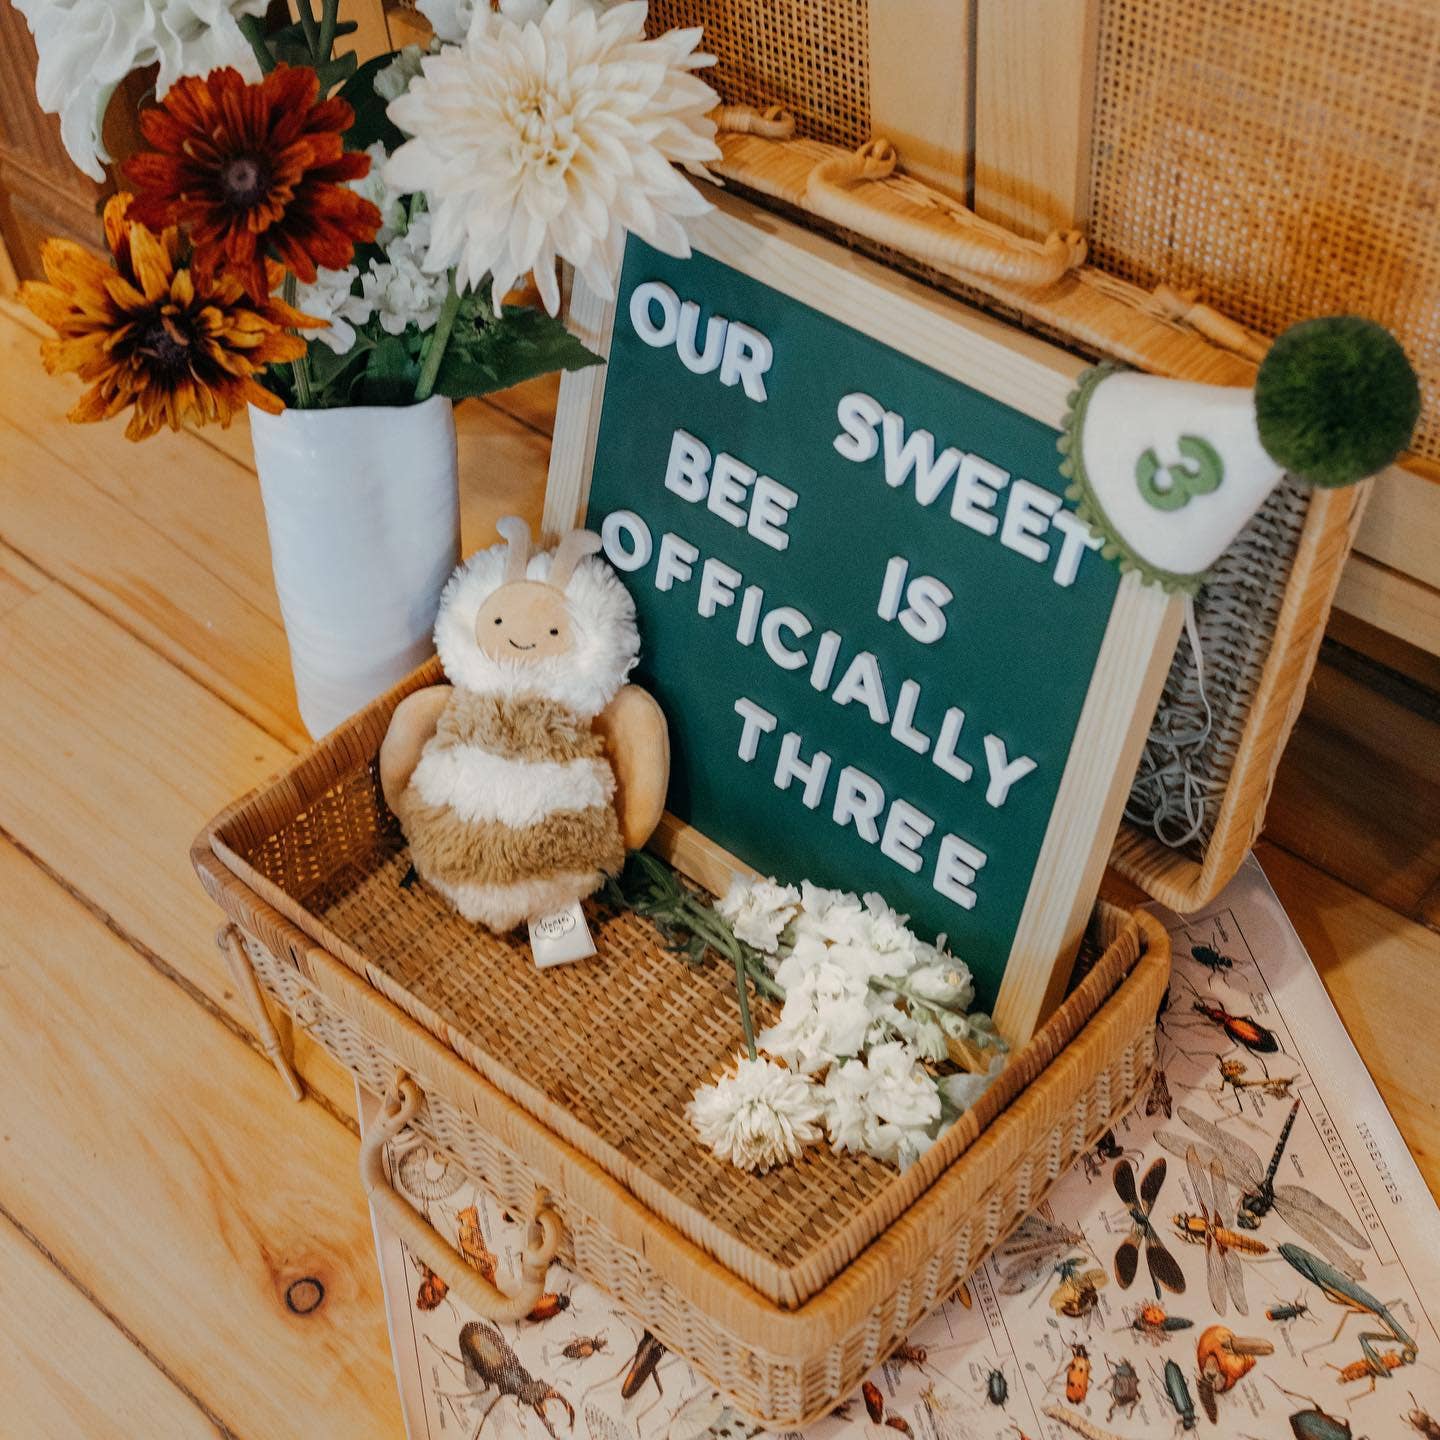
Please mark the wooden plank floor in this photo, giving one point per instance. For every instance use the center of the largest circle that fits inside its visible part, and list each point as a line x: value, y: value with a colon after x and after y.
x: 159, y: 1195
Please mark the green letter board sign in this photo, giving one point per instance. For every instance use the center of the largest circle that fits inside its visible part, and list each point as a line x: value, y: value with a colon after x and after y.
x: 871, y: 619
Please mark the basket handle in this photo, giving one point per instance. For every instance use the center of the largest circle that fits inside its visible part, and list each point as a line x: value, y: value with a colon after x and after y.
x: 949, y: 237
x: 481, y: 1295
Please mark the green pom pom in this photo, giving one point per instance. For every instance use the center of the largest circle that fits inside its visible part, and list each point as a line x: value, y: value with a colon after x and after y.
x: 1336, y: 399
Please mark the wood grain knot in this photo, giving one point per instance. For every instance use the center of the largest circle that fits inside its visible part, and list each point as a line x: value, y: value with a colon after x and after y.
x: 304, y: 1295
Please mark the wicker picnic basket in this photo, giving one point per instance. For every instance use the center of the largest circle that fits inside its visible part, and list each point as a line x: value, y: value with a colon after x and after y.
x: 562, y: 1091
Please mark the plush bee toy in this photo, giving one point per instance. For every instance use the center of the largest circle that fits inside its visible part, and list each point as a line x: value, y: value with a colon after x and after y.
x: 521, y: 784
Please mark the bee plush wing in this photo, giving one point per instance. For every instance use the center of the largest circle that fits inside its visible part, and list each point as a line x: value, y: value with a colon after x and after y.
x: 637, y: 742
x: 411, y: 727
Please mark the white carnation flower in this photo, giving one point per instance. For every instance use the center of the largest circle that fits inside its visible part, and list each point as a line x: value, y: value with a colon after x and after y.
x: 330, y: 299
x: 885, y: 1105
x: 825, y: 1017
x: 758, y: 910
x: 551, y: 134
x: 87, y: 47
x: 834, y: 916
x: 945, y: 981
x: 401, y: 292
x: 759, y: 1116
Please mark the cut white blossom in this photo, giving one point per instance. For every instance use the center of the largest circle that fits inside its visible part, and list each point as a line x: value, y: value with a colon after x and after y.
x: 758, y: 1116
x: 330, y: 299
x: 759, y: 910
x: 885, y: 1105
x: 550, y: 134
x: 826, y: 1014
x: 399, y: 290
x: 87, y: 47
x: 394, y: 79
x: 385, y: 198
x: 449, y: 19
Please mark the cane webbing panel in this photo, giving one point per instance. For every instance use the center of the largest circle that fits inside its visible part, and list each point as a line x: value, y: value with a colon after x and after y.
x: 811, y: 56
x: 1283, y: 159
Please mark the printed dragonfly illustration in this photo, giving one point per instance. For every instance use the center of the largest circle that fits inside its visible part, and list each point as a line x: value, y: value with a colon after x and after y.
x: 1305, y: 1212
x: 1211, y: 1229
x: 1164, y: 1269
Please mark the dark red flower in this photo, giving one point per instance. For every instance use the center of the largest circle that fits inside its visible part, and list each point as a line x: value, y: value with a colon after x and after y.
x: 254, y: 168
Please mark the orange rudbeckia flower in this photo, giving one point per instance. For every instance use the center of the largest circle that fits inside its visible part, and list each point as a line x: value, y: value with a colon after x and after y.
x: 250, y: 168
x: 151, y: 333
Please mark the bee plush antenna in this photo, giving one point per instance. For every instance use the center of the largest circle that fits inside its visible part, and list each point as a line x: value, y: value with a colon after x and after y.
x: 516, y: 534
x: 571, y: 550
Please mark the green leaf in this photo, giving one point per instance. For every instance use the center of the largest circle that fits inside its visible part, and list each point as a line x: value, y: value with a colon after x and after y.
x: 334, y: 377
x: 337, y: 71
x: 484, y: 356
x: 391, y: 370
x: 371, y: 123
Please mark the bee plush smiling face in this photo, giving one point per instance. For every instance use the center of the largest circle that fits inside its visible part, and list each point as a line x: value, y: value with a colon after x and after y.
x: 524, y: 621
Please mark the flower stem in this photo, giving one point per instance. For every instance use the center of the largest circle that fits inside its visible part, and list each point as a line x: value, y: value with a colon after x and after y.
x: 435, y: 345
x: 253, y: 29
x: 311, y: 29
x: 329, y: 19
x: 743, y: 992
x: 299, y: 368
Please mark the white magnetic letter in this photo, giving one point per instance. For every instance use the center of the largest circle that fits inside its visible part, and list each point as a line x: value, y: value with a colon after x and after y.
x: 786, y: 617
x: 747, y: 357
x: 674, y: 561
x: 905, y: 829
x: 758, y: 720
x: 642, y: 317
x: 791, y: 767
x: 858, y: 801
x: 859, y: 417
x: 1004, y: 772
x: 955, y: 869
x: 633, y: 553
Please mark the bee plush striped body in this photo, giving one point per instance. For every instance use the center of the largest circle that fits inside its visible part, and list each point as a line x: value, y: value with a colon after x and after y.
x: 505, y: 782
x: 511, y: 810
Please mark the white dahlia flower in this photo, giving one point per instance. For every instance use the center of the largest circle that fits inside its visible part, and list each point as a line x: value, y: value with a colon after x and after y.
x: 550, y: 134
x: 87, y: 47
x: 757, y: 1117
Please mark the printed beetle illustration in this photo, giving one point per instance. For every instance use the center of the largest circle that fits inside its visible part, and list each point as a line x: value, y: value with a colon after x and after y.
x: 488, y: 1361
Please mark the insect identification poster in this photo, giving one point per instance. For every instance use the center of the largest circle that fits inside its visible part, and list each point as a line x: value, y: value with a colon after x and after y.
x: 1044, y: 1340
x: 870, y: 615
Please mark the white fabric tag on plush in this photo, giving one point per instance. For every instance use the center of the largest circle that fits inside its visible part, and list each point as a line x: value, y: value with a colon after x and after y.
x: 561, y: 936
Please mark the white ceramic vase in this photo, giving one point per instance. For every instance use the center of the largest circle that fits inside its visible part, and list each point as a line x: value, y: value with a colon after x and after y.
x: 363, y: 509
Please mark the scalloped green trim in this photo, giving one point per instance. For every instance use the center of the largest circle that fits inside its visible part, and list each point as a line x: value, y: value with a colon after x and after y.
x: 1087, y: 504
